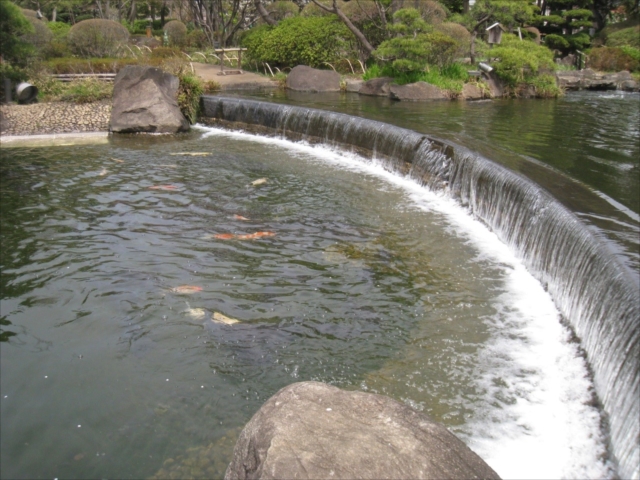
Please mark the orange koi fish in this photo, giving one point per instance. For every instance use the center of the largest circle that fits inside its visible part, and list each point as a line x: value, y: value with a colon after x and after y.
x: 240, y: 217
x: 186, y: 289
x: 246, y: 236
x: 163, y: 187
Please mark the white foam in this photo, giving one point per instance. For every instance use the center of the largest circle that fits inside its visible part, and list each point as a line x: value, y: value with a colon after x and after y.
x: 534, y: 419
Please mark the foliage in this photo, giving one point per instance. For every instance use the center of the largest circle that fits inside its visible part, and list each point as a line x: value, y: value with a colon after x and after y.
x: 510, y: 13
x: 177, y: 33
x: 567, y: 19
x: 197, y: 39
x: 165, y: 52
x: 40, y: 37
x: 545, y: 86
x: 13, y: 25
x: 416, y: 45
x: 627, y: 36
x: 59, y: 29
x: 450, y: 78
x: 210, y: 86
x: 311, y: 41
x: 97, y: 37
x: 556, y: 42
x: 86, y: 91
x: 189, y: 94
x: 457, y: 32
x: 614, y: 59
x: 520, y: 61
x: 281, y: 9
x: 87, y: 65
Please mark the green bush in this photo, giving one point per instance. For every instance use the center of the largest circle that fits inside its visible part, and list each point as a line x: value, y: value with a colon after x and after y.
x: 556, y: 42
x: 311, y: 41
x: 177, y: 33
x: 97, y: 38
x: 59, y: 29
x: 165, y: 52
x: 189, y: 93
x: 459, y: 33
x: 281, y: 9
x: 579, y: 41
x: 41, y: 35
x: 612, y: 59
x: 87, y: 65
x: 521, y: 61
x: 86, y: 91
x: 627, y: 36
x: 197, y: 39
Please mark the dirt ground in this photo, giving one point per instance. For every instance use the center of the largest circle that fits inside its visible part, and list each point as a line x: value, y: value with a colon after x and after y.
x: 243, y: 81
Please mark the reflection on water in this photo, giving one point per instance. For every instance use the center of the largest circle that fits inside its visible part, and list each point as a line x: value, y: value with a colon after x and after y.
x: 116, y: 369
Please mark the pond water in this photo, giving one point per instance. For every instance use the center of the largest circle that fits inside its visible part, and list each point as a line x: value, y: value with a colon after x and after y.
x: 363, y: 280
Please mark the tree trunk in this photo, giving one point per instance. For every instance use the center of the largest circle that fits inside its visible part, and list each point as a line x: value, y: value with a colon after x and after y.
x: 263, y: 13
x: 132, y: 12
x: 54, y: 14
x: 472, y: 49
x: 357, y: 33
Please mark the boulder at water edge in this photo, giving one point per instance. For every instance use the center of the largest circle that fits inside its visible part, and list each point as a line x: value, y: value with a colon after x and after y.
x: 307, y: 79
x: 378, y: 87
x: 144, y: 100
x: 416, y: 92
x: 313, y: 430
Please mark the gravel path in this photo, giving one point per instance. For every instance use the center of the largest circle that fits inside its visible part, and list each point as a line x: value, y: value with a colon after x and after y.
x: 58, y: 117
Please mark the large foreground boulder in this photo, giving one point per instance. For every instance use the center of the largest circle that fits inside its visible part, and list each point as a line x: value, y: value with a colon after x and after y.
x: 313, y: 430
x: 144, y: 100
x: 307, y: 79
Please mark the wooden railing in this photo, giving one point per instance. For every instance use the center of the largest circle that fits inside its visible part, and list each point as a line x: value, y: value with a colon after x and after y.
x: 68, y: 77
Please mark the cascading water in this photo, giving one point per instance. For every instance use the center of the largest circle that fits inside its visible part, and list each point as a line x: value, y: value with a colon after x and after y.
x: 597, y: 295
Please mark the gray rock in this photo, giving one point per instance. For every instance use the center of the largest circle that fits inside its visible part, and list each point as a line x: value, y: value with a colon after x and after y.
x: 307, y: 79
x: 472, y: 91
x: 588, y: 79
x: 416, y: 92
x: 313, y: 430
x: 144, y: 100
x: 353, y: 85
x: 629, y: 86
x: 378, y: 87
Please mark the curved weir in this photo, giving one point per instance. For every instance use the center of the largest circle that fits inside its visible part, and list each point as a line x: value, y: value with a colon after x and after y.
x: 595, y: 293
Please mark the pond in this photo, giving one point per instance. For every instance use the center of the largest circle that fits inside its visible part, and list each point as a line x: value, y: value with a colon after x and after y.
x: 118, y: 261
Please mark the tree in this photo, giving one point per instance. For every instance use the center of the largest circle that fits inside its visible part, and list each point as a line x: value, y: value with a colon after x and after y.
x: 510, y: 13
x: 13, y: 26
x: 219, y: 19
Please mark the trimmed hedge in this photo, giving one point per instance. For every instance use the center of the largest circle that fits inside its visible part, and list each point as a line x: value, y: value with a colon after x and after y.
x: 97, y: 37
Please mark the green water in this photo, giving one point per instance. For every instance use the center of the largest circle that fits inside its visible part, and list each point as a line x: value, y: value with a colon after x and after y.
x: 107, y: 372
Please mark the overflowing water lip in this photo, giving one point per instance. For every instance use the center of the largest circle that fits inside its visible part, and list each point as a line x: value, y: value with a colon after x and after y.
x: 535, y: 418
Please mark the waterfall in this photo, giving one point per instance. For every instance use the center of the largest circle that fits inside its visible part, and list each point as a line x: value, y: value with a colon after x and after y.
x: 595, y: 293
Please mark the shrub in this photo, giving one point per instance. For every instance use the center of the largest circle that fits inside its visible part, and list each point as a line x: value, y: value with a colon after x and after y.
x: 459, y: 33
x: 177, y: 33
x: 86, y: 91
x: 627, y: 36
x: 311, y: 41
x: 13, y: 26
x: 521, y: 61
x: 189, y: 94
x: 97, y: 38
x: 612, y: 59
x: 197, y: 39
x: 87, y: 65
x: 579, y: 41
x: 59, y: 29
x: 165, y: 52
x: 556, y: 42
x: 282, y: 9
x: 41, y: 35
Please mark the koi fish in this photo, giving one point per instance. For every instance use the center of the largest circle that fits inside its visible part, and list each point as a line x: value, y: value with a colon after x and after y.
x: 169, y: 166
x: 220, y: 318
x: 195, y: 313
x: 186, y: 289
x: 117, y: 160
x: 259, y: 181
x: 246, y: 236
x: 240, y: 217
x: 192, y: 154
x: 103, y: 172
x: 163, y: 187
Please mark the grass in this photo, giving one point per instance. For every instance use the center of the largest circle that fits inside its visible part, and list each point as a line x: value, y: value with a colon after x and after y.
x: 450, y: 78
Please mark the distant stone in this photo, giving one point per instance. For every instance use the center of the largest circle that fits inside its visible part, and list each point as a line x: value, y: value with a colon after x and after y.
x: 376, y: 86
x: 307, y: 79
x: 311, y: 430
x: 145, y: 100
x: 590, y: 80
x: 353, y: 85
x: 416, y: 92
x: 471, y: 91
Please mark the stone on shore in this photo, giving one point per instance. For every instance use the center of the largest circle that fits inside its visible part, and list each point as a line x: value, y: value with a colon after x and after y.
x: 313, y: 430
x: 307, y: 79
x: 353, y: 85
x: 416, y: 92
x: 588, y: 79
x: 378, y: 87
x: 145, y: 100
x: 471, y: 91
